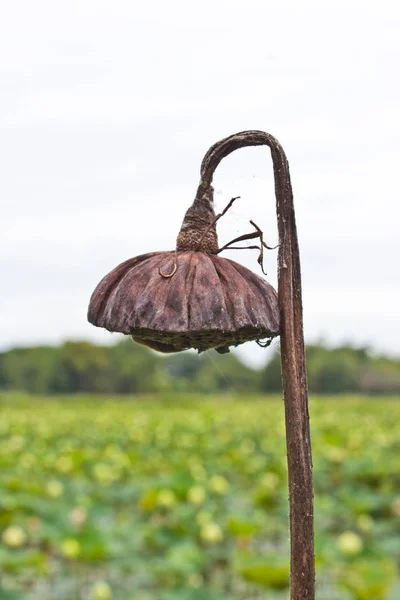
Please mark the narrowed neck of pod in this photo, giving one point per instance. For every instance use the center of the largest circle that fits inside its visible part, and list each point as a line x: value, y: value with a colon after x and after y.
x: 198, y: 231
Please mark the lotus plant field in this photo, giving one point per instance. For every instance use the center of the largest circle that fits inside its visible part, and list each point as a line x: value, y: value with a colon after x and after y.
x: 186, y: 498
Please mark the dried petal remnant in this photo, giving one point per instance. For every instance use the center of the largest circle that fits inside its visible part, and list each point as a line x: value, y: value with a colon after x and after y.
x: 209, y: 302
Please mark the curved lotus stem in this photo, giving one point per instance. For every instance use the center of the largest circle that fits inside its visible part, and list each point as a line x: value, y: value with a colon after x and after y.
x: 294, y: 376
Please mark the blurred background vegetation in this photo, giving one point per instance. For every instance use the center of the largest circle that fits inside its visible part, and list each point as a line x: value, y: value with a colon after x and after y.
x: 128, y: 368
x: 126, y: 474
x: 184, y: 497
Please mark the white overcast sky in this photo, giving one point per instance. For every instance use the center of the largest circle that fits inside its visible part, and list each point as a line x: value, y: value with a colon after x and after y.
x: 107, y: 109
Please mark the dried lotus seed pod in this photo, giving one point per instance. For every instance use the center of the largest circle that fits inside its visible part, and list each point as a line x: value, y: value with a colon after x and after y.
x: 190, y: 297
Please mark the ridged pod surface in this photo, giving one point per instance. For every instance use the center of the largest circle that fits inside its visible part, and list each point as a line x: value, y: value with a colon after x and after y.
x: 172, y: 301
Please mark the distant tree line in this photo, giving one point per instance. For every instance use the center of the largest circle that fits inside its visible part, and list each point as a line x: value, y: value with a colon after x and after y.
x: 128, y: 368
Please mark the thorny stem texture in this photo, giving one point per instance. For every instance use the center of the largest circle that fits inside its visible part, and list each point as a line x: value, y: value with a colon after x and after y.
x: 294, y: 377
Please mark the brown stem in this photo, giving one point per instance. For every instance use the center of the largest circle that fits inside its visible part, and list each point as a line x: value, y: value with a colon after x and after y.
x: 294, y: 377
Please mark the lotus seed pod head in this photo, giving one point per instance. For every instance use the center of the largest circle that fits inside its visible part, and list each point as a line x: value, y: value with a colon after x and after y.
x: 187, y: 298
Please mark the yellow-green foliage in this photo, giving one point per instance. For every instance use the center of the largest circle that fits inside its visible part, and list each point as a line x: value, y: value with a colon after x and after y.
x: 186, y: 498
